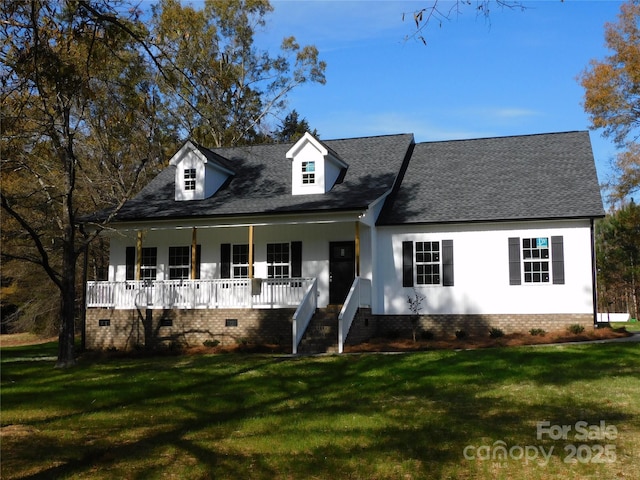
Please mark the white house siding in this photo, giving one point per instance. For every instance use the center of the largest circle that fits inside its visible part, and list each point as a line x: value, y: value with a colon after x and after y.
x: 481, y: 270
x: 315, y: 240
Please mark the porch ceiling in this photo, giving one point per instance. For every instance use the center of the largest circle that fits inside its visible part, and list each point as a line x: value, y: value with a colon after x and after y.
x: 239, y: 222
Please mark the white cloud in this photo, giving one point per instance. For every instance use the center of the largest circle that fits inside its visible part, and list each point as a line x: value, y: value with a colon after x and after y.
x: 511, y: 113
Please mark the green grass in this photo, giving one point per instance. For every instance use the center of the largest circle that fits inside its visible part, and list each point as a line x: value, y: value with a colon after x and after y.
x: 364, y: 416
x: 632, y: 326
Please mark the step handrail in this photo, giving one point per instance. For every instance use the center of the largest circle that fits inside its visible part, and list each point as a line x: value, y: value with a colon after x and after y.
x: 303, y: 314
x: 359, y: 296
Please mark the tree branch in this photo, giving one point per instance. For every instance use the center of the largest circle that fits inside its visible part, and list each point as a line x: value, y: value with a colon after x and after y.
x: 425, y: 16
x: 55, y: 276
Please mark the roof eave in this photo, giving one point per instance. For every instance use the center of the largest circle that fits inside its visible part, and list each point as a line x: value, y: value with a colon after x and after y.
x: 492, y: 220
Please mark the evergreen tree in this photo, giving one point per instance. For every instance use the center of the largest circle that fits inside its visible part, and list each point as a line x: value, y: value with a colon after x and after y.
x: 292, y: 128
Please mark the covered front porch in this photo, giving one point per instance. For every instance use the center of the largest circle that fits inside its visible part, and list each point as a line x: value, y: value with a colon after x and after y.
x: 144, y: 311
x: 236, y: 269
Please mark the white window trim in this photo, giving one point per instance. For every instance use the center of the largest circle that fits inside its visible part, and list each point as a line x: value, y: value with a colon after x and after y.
x: 418, y: 264
x: 235, y: 265
x: 308, y: 176
x: 540, y: 259
x: 274, y: 265
x: 186, y: 266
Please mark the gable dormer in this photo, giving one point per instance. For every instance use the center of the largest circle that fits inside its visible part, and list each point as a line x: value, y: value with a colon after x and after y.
x: 199, y: 172
x: 315, y: 168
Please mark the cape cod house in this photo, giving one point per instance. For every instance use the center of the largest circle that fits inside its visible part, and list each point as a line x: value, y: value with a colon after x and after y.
x: 284, y: 242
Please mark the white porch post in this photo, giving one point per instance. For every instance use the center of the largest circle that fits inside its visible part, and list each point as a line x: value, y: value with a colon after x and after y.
x: 250, y: 273
x: 375, y: 282
x: 250, y: 251
x: 138, y: 255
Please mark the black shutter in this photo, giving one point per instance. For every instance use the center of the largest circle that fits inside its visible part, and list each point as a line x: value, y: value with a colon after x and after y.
x: 296, y: 259
x: 557, y: 259
x: 407, y: 264
x: 130, y: 263
x: 515, y: 275
x: 447, y: 263
x: 198, y: 260
x: 225, y: 260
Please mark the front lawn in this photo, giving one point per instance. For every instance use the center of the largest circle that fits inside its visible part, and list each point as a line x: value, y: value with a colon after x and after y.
x: 632, y: 326
x: 438, y: 414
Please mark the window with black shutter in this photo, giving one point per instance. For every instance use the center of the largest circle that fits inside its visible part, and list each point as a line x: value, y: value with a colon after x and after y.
x: 130, y: 263
x: 535, y: 260
x: 431, y: 260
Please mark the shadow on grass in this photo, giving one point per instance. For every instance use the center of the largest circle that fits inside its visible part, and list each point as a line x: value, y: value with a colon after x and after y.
x: 358, y: 416
x: 29, y: 352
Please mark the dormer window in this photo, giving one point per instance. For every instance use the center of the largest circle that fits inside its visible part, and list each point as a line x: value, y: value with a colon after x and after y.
x: 308, y: 172
x: 199, y: 173
x: 189, y: 178
x: 315, y: 168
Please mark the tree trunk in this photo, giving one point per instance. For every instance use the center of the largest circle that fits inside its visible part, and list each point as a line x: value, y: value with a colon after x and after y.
x: 66, y: 339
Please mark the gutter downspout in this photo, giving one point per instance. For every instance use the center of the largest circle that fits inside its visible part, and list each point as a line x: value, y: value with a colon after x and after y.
x: 594, y: 277
x: 357, y: 246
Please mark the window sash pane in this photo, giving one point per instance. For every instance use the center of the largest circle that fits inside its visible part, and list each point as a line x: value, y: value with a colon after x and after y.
x: 148, y: 261
x: 536, y: 272
x: 427, y: 263
x: 179, y: 263
x: 535, y: 252
x: 189, y: 178
x: 240, y: 261
x: 308, y: 175
x: 278, y: 260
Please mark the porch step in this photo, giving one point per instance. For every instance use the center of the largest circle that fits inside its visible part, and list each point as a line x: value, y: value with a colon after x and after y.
x: 321, y: 335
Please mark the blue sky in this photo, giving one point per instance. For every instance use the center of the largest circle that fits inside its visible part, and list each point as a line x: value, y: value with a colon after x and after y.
x: 516, y: 74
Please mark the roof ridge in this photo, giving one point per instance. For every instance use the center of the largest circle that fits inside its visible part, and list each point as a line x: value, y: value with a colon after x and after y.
x: 499, y: 137
x: 367, y: 137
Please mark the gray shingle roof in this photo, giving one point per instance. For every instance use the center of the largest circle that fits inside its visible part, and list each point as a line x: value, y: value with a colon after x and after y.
x: 213, y: 157
x: 262, y: 182
x: 543, y: 176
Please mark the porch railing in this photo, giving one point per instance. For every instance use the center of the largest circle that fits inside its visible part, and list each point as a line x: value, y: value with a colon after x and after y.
x: 303, y: 314
x: 359, y: 296
x: 218, y: 293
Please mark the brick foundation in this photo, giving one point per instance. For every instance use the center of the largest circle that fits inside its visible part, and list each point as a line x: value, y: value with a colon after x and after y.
x: 133, y: 329
x: 366, y: 326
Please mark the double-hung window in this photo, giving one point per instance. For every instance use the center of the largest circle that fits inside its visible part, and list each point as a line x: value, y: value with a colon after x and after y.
x: 179, y: 263
x: 278, y: 260
x: 535, y: 253
x: 189, y: 178
x: 284, y: 260
x: 240, y: 261
x: 308, y: 172
x: 428, y: 263
x: 148, y: 263
x: 536, y: 260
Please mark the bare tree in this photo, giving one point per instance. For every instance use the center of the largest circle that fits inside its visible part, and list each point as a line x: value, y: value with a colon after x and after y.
x: 438, y: 11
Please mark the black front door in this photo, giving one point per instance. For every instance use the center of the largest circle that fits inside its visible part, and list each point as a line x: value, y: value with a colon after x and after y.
x: 342, y: 270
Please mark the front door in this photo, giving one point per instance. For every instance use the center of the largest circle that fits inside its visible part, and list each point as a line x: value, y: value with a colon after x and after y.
x: 342, y: 270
